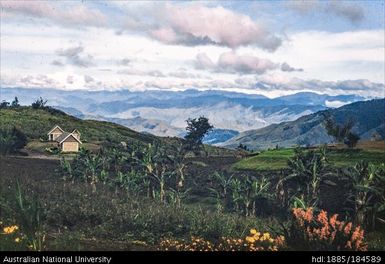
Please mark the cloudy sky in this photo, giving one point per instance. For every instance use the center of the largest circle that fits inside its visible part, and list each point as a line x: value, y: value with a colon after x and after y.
x: 266, y: 47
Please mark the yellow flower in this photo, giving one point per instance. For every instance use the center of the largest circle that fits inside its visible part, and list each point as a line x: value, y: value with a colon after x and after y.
x: 250, y: 239
x: 253, y: 231
x: 17, y: 240
x: 10, y: 229
x: 266, y: 236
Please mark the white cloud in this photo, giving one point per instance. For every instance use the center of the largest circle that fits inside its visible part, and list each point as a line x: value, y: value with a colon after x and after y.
x: 231, y: 62
x: 204, y: 62
x: 132, y: 60
x: 76, y: 56
x: 65, y: 15
x: 287, y: 68
x: 335, y: 104
x: 199, y: 24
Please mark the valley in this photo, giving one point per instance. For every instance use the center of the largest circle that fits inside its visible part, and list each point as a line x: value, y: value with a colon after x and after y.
x: 163, y: 113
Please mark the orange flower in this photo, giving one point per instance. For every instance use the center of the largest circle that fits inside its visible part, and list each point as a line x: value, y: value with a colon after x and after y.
x: 348, y: 228
x: 356, y: 234
x: 323, y: 217
x: 349, y: 245
x: 333, y: 220
x: 308, y: 216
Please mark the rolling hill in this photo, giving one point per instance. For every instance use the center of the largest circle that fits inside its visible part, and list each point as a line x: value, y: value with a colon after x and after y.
x: 163, y: 113
x: 369, y: 117
x: 35, y: 123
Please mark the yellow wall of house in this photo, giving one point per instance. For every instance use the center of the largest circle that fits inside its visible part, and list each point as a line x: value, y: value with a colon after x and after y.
x: 55, y: 135
x: 68, y: 146
x: 76, y: 135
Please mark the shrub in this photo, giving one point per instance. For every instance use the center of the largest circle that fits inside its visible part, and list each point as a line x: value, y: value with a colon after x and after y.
x: 11, y: 140
x: 320, y: 232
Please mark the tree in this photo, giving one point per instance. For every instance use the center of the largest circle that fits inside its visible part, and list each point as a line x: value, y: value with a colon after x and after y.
x: 352, y: 140
x: 197, y: 129
x: 342, y: 133
x: 4, y: 104
x: 242, y: 147
x: 15, y: 102
x: 39, y: 104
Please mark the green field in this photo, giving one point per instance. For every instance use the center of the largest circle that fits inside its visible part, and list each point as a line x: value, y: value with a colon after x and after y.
x: 277, y: 159
x: 266, y: 160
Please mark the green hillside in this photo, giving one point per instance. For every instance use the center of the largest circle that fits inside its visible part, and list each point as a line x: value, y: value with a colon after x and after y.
x: 276, y: 159
x: 35, y: 123
x: 368, y: 118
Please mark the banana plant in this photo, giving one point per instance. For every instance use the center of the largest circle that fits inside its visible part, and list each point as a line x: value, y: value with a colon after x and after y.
x: 223, y: 182
x: 367, y: 192
x: 236, y: 193
x: 92, y: 164
x: 66, y: 169
x: 179, y: 160
x: 260, y: 190
x: 221, y: 188
x: 307, y: 171
x: 177, y: 195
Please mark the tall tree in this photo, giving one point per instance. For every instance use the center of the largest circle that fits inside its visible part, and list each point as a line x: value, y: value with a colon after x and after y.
x: 39, y: 103
x: 4, y: 104
x: 342, y: 133
x: 197, y: 128
x: 15, y: 102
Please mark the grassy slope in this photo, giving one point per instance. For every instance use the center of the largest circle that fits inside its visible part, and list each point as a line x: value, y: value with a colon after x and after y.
x: 36, y: 123
x: 277, y: 159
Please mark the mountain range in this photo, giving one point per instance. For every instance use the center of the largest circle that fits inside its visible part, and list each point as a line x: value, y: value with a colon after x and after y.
x: 164, y: 113
x: 368, y: 118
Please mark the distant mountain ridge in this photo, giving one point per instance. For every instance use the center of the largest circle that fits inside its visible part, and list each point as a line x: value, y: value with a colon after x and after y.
x: 163, y: 113
x: 369, y: 118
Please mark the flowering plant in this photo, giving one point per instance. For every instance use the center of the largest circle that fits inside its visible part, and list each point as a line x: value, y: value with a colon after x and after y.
x: 311, y: 231
x: 11, y: 238
x: 255, y: 241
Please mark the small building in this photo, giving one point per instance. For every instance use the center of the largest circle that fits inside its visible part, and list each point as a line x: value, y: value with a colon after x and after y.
x: 54, y: 133
x: 67, y: 142
x: 76, y: 133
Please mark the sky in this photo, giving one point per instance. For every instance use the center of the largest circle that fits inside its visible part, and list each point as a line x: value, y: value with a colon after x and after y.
x: 259, y: 47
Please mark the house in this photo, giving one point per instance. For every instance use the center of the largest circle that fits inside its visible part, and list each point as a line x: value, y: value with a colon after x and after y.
x: 54, y: 133
x: 76, y: 133
x: 67, y: 142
